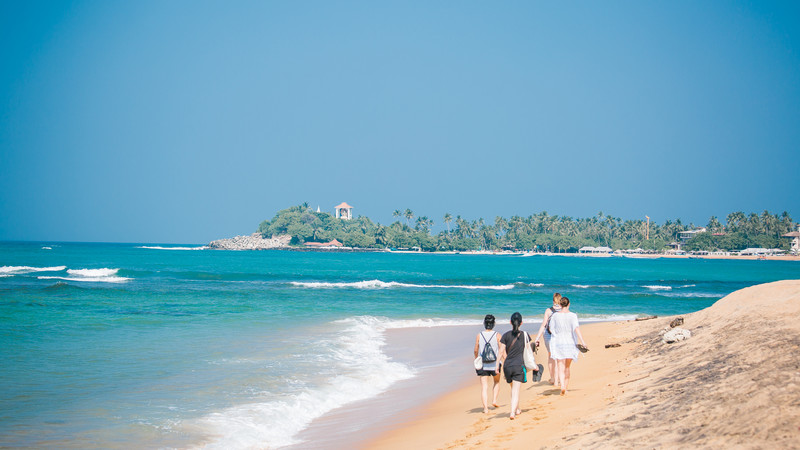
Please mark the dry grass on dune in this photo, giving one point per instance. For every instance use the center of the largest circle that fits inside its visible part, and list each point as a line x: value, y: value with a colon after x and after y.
x: 734, y: 383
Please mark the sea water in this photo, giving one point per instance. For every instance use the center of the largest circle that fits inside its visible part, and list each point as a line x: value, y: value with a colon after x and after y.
x: 142, y: 345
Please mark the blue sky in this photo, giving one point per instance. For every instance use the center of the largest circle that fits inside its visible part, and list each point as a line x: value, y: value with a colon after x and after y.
x: 187, y: 121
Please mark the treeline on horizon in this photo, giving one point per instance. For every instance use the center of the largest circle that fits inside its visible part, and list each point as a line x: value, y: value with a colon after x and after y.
x: 537, y: 232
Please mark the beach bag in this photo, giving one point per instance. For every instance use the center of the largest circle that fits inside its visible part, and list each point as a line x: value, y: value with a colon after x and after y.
x: 527, y: 353
x: 488, y: 355
x: 478, y: 363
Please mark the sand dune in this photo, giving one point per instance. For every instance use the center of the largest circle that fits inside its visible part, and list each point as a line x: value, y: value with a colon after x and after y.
x: 734, y: 383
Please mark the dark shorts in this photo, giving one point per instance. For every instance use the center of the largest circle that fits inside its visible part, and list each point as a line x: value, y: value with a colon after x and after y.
x: 487, y: 373
x: 514, y: 373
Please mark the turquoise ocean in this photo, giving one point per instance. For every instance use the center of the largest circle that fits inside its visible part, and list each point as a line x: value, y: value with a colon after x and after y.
x: 143, y: 345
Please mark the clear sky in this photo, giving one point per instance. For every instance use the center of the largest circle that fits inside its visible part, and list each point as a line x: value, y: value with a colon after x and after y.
x: 187, y: 121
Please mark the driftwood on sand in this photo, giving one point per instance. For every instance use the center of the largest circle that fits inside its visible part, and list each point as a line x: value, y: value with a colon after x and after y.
x: 639, y: 319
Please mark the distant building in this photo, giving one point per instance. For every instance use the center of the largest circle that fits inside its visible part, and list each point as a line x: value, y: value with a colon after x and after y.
x: 761, y: 252
x: 795, y: 235
x: 686, y: 235
x: 593, y: 250
x: 331, y: 244
x: 344, y: 211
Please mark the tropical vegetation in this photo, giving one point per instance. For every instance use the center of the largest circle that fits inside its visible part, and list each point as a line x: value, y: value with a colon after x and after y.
x: 537, y: 232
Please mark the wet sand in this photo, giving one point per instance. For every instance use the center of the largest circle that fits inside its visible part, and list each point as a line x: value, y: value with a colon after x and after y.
x: 438, y: 355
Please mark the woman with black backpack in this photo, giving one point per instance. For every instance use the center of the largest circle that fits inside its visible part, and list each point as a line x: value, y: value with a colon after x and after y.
x: 512, y: 349
x: 487, y: 347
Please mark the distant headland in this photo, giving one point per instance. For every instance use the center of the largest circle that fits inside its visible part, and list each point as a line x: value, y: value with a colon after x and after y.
x: 302, y: 228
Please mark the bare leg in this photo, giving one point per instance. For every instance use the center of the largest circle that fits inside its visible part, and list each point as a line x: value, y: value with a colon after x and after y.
x: 496, y: 390
x: 551, y: 366
x: 561, y: 375
x: 484, y: 388
x: 515, y: 385
x: 567, y: 363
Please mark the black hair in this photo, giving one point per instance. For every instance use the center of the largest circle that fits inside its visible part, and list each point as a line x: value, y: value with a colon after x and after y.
x: 516, y: 321
x: 488, y: 322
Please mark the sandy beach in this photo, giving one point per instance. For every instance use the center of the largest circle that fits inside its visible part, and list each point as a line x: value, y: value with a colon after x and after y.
x: 734, y: 383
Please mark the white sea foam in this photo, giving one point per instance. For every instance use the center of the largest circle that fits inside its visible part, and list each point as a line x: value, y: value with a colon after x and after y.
x: 47, y: 248
x: 103, y: 275
x: 385, y: 323
x: 93, y: 272
x: 692, y: 295
x: 687, y: 285
x: 378, y: 284
x: 276, y: 422
x: 155, y: 247
x: 536, y: 284
x: 89, y: 279
x: 657, y: 287
x: 587, y: 286
x: 581, y: 286
x: 26, y: 269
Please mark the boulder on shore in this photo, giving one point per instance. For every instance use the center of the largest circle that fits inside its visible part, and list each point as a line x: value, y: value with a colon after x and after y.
x: 676, y: 323
x: 253, y: 242
x: 675, y: 335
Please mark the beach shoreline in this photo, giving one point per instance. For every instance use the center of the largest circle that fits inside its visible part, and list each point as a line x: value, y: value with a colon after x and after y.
x: 253, y: 349
x: 282, y: 242
x: 714, y: 389
x: 355, y: 423
x: 215, y: 246
x: 455, y: 419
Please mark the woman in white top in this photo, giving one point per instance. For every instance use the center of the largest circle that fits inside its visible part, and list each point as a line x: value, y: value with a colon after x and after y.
x: 563, y: 344
x: 544, y: 330
x: 490, y: 338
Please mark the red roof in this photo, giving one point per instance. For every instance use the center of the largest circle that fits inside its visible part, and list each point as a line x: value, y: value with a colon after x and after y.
x: 333, y: 243
x: 343, y: 205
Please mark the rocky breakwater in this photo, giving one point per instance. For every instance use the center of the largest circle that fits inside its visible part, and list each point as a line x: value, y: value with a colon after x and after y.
x: 253, y: 242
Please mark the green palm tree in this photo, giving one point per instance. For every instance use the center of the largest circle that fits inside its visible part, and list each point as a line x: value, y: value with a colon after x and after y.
x: 734, y: 221
x: 713, y: 225
x: 409, y: 215
x: 447, y: 219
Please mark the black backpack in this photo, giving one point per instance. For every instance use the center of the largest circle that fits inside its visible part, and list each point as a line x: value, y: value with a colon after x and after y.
x: 488, y: 355
x: 549, y: 319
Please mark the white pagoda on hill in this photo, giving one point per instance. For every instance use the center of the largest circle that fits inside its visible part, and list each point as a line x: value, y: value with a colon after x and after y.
x: 344, y: 211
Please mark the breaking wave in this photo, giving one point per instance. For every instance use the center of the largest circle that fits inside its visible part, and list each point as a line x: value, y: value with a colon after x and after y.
x: 14, y: 270
x: 276, y: 422
x: 378, y: 284
x: 103, y: 275
x: 658, y: 287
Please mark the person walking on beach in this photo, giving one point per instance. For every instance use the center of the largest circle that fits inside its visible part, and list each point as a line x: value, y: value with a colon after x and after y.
x: 512, y: 345
x: 487, y: 345
x: 544, y: 330
x: 564, y: 342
